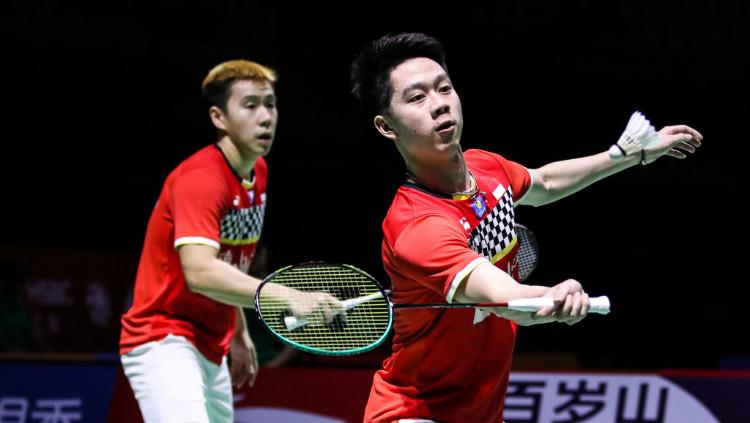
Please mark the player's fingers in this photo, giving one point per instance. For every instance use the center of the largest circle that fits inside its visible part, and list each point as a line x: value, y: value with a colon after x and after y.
x: 548, y: 311
x: 254, y: 358
x: 558, y: 297
x: 568, y: 305
x: 329, y: 314
x: 579, y: 310
x: 339, y: 310
x: 239, y: 377
x: 677, y: 154
x: 324, y: 308
x: 334, y: 309
x: 253, y: 371
x: 577, y: 305
x: 685, y: 146
x: 695, y: 134
x: 335, y: 304
x: 585, y: 304
x: 545, y: 312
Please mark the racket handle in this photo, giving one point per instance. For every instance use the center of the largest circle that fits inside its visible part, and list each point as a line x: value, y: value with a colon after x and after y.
x: 353, y: 302
x: 597, y: 305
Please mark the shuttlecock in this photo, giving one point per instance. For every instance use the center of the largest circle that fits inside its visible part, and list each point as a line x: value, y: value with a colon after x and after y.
x: 638, y: 135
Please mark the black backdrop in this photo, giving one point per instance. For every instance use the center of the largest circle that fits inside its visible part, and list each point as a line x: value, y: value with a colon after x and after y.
x: 102, y: 101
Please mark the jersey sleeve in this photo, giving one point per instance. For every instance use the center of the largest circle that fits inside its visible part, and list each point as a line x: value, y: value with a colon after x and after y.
x: 433, y: 252
x: 197, y: 202
x: 518, y: 175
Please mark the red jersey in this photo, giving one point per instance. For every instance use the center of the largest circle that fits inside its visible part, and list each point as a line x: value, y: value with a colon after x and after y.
x: 448, y: 365
x: 203, y: 201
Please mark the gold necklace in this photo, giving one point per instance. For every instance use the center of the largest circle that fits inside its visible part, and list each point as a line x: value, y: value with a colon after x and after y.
x: 460, y: 195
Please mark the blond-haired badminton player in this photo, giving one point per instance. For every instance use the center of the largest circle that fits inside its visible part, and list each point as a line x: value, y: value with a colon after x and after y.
x: 449, y: 236
x: 199, y: 243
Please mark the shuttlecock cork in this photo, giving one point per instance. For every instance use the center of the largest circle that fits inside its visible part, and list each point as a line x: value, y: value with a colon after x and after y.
x: 638, y: 135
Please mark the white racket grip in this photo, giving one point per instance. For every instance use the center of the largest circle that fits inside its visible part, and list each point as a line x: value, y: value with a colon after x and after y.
x: 353, y: 302
x: 530, y: 304
x: 293, y: 323
x: 598, y: 305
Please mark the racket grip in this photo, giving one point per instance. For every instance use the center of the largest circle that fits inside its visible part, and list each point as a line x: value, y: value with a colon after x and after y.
x: 530, y: 304
x: 597, y: 305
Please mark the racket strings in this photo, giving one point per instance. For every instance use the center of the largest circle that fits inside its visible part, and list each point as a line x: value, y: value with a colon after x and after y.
x: 359, y: 327
x: 528, y: 251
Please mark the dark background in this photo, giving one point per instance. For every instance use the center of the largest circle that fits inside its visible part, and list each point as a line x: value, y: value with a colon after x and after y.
x: 102, y: 100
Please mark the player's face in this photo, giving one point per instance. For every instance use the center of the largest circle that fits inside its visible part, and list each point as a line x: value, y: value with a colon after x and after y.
x: 251, y: 116
x: 425, y: 111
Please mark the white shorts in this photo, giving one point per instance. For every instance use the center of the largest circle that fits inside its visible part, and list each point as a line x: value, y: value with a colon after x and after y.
x: 174, y: 382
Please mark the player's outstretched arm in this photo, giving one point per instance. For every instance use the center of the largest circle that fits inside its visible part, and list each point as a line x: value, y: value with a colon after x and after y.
x: 639, y: 143
x: 487, y: 283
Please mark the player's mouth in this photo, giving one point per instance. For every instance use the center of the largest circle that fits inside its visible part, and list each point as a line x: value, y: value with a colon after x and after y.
x: 266, y: 136
x: 446, y: 128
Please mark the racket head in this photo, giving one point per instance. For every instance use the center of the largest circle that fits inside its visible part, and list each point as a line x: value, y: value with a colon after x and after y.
x: 528, y: 251
x: 365, y: 326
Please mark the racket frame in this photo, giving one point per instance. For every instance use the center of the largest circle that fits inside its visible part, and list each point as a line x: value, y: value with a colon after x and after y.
x: 306, y: 348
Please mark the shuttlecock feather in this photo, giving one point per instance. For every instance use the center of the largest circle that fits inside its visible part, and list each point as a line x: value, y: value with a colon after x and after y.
x: 638, y: 135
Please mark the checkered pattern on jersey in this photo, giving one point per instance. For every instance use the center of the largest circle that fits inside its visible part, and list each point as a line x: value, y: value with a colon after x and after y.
x: 242, y: 225
x: 497, y: 230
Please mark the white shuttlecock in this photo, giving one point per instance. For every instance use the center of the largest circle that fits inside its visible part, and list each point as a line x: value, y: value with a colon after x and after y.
x: 638, y: 134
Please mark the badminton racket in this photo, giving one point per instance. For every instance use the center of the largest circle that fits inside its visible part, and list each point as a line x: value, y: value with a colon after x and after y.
x: 367, y: 314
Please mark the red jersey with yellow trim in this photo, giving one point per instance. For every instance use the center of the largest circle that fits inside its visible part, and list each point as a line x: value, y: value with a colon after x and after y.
x: 203, y: 201
x: 448, y: 365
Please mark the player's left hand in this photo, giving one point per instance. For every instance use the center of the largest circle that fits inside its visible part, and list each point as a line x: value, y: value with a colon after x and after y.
x: 675, y: 141
x: 244, y: 366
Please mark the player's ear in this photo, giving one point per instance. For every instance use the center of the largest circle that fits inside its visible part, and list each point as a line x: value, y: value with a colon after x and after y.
x: 385, y: 129
x: 217, y: 117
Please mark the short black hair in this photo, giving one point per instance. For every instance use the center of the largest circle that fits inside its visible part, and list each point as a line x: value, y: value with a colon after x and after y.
x: 371, y: 68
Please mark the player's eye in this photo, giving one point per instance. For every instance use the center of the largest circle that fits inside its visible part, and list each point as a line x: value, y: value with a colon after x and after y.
x: 416, y: 98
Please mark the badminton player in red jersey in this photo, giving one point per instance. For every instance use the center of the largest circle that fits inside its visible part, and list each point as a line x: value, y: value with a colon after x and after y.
x: 449, y: 236
x: 192, y: 278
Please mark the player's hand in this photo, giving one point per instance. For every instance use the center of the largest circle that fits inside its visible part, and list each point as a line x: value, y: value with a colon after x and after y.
x: 523, y: 318
x: 570, y: 303
x: 316, y: 304
x: 244, y: 366
x: 675, y: 141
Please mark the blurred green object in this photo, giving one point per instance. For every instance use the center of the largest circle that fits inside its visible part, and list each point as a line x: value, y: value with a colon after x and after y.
x: 15, y: 324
